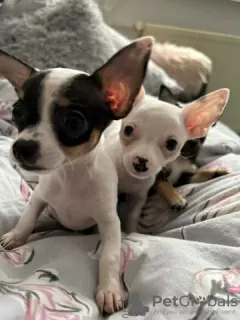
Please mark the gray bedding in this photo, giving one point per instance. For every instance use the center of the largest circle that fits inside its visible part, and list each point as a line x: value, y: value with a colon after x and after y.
x: 189, y: 270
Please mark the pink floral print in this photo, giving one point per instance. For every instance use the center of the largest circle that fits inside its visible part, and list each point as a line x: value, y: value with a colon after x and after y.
x: 132, y: 248
x: 25, y: 190
x: 43, y: 298
x: 18, y: 257
x: 228, y: 279
x: 232, y: 280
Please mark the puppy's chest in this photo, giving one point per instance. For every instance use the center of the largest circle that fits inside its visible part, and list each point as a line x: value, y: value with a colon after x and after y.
x: 71, y: 201
x: 129, y: 184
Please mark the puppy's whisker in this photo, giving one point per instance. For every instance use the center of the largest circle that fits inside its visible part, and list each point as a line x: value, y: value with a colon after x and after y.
x: 64, y: 176
x: 71, y: 165
x: 186, y: 158
x: 61, y: 178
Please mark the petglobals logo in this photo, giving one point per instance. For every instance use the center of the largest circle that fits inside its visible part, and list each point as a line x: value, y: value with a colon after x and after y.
x: 190, y: 300
x: 162, y: 304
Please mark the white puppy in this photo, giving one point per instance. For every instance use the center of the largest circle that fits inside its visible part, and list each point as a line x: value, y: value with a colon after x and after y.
x: 152, y: 136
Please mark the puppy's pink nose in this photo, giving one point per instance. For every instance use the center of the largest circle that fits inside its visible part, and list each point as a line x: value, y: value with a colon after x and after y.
x: 140, y: 164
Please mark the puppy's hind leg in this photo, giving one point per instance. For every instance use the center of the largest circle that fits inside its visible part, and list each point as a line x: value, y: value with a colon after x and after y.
x: 207, y: 174
x: 25, y: 226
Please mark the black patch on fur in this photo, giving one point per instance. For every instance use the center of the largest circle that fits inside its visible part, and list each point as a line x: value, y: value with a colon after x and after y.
x: 191, y: 148
x: 165, y: 94
x: 164, y: 174
x: 184, y: 179
x: 151, y: 191
x: 85, y: 96
x: 27, y: 111
x: 202, y: 92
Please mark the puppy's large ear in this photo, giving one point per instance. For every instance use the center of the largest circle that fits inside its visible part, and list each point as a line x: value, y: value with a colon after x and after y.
x: 14, y: 70
x: 122, y: 76
x: 200, y: 115
x: 166, y: 95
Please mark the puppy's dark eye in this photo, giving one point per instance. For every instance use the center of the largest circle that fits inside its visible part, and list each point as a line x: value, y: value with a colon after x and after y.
x: 75, y: 124
x: 171, y: 144
x: 128, y: 131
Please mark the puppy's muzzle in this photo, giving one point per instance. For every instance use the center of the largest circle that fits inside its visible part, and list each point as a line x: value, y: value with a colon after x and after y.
x: 25, y: 151
x: 140, y: 164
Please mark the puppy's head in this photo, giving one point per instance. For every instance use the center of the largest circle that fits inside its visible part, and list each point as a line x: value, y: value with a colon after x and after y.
x: 61, y: 113
x: 154, y: 133
x: 191, y: 148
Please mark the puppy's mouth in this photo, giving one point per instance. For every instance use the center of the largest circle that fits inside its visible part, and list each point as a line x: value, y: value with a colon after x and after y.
x: 140, y: 175
x: 28, y: 167
x: 189, y: 155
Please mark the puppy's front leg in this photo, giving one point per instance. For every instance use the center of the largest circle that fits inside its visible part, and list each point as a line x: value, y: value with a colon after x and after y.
x: 134, y: 206
x: 25, y: 226
x: 171, y: 195
x: 110, y: 295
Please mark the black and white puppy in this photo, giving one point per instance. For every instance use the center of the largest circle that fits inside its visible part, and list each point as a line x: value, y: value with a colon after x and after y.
x: 61, y: 115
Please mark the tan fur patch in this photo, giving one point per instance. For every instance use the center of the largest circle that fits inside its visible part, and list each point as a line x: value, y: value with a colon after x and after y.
x: 126, y: 142
x: 63, y: 102
x: 206, y: 175
x: 169, y: 193
x: 80, y: 150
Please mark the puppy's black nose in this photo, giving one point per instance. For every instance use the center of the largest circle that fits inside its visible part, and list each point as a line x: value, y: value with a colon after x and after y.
x: 25, y: 150
x: 140, y: 164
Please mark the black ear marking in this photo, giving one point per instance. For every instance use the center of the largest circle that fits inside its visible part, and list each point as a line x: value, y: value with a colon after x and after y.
x: 166, y: 95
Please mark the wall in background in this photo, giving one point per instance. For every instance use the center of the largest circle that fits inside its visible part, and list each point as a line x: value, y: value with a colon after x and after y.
x: 211, y: 15
x: 216, y: 17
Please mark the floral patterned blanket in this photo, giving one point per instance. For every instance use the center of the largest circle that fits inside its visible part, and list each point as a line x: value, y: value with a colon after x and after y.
x: 191, y: 270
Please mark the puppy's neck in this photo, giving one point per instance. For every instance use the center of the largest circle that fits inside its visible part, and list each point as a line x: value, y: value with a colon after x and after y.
x: 82, y: 164
x: 87, y: 160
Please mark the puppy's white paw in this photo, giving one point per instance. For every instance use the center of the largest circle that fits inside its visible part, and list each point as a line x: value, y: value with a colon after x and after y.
x: 12, y: 239
x: 111, y: 297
